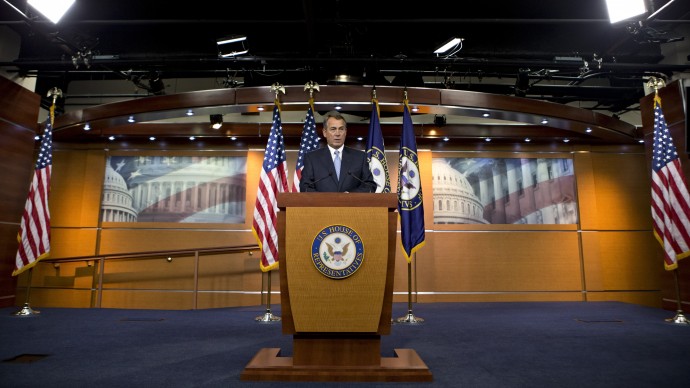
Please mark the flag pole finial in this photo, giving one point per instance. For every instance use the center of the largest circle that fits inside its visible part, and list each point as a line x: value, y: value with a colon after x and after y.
x: 311, y: 86
x: 55, y: 93
x: 656, y: 83
x: 278, y: 88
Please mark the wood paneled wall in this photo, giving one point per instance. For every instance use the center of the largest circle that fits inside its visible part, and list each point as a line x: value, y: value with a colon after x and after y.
x: 609, y: 255
x: 18, y: 125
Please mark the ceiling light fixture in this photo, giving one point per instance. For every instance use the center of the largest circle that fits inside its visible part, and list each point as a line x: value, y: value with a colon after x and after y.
x: 231, y: 46
x: 216, y: 121
x: 454, y: 44
x: 625, y: 9
x: 54, y: 10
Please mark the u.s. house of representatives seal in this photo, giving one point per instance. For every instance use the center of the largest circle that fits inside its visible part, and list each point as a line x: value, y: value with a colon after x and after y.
x: 337, y: 251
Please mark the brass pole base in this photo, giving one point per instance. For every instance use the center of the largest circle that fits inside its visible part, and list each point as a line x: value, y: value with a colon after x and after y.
x: 268, y: 317
x: 26, y: 311
x: 679, y: 318
x: 409, y: 319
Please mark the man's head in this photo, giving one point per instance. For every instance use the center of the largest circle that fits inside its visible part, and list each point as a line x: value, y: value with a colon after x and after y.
x: 334, y: 129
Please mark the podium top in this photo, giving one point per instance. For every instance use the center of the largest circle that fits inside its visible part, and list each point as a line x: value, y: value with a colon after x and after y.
x: 312, y: 199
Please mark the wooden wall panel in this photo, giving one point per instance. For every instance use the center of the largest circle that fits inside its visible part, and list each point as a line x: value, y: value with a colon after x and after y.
x: 114, y: 241
x: 621, y: 261
x: 162, y: 300
x: 154, y: 274
x: 18, y: 124
x: 77, y: 183
x: 73, y: 242
x: 506, y: 262
x: 623, y: 191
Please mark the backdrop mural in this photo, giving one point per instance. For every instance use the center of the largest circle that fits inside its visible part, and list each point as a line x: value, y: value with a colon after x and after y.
x: 174, y: 189
x: 504, y: 191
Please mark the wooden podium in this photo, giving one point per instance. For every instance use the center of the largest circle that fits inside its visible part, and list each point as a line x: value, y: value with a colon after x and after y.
x: 337, y: 261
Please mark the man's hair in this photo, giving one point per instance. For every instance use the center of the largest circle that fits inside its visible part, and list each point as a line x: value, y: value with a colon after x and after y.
x: 336, y: 115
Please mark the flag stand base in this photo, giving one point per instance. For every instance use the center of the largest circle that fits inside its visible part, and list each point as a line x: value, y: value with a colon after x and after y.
x: 679, y: 319
x: 409, y: 319
x: 268, y: 317
x: 26, y: 311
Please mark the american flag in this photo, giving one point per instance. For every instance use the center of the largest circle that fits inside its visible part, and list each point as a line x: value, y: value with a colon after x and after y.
x: 34, y: 233
x: 308, y: 142
x: 670, y: 198
x: 273, y: 181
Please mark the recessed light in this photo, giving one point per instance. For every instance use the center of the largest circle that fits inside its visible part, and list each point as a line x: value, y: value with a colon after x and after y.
x: 87, y: 127
x: 130, y: 119
x: 233, y: 138
x: 527, y: 139
x: 192, y: 138
x: 260, y: 109
x: 544, y: 121
x: 588, y: 130
x: 486, y: 115
x: 566, y: 140
x: 152, y: 138
x: 487, y: 139
x: 360, y: 138
x: 190, y: 112
x: 446, y: 138
x: 111, y: 138
x: 338, y: 107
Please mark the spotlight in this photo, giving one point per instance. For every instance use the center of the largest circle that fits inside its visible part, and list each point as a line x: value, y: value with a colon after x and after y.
x: 51, y: 9
x: 440, y: 121
x: 454, y: 44
x: 625, y: 9
x: 216, y: 121
x: 156, y: 85
x: 231, y: 46
x: 522, y: 83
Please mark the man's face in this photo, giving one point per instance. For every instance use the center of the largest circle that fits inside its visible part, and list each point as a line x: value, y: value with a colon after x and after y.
x: 335, y: 132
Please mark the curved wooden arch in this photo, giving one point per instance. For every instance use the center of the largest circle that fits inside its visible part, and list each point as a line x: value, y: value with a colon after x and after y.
x: 526, y: 114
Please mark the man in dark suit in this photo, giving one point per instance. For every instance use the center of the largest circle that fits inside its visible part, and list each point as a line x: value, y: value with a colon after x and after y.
x: 320, y: 171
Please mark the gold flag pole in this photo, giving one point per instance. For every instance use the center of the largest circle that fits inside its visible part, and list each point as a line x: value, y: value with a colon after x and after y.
x: 679, y: 318
x: 26, y: 310
x: 268, y: 316
x: 410, y: 318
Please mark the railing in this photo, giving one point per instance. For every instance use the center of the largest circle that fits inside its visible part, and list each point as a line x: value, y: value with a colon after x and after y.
x: 100, y: 260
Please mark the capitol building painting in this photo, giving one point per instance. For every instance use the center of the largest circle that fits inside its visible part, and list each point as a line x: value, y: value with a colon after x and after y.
x: 174, y: 189
x: 504, y: 191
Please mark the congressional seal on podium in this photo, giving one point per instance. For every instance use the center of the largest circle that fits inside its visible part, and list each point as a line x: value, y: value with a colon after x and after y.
x: 337, y: 251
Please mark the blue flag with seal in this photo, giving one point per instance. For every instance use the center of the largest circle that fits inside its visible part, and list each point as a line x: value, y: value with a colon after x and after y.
x: 410, y: 204
x: 376, y: 152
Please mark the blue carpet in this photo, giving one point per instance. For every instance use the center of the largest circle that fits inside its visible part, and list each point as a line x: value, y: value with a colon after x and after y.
x: 541, y: 344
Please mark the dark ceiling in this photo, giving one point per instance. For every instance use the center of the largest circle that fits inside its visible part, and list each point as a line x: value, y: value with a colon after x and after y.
x: 561, y: 51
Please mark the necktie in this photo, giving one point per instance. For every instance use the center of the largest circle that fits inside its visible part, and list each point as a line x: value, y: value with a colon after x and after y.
x: 336, y: 162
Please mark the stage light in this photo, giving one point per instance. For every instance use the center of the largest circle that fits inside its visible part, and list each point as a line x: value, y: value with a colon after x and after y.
x: 440, y: 120
x: 231, y: 46
x: 54, y: 10
x: 454, y: 44
x: 625, y: 9
x: 216, y: 121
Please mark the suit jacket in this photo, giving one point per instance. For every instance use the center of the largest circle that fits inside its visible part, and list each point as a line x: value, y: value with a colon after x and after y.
x: 319, y: 172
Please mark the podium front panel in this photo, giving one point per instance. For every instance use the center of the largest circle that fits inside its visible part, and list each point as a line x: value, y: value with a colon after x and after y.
x: 330, y: 300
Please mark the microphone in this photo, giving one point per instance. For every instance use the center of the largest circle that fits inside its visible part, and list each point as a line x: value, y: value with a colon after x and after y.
x: 362, y: 181
x: 313, y: 182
